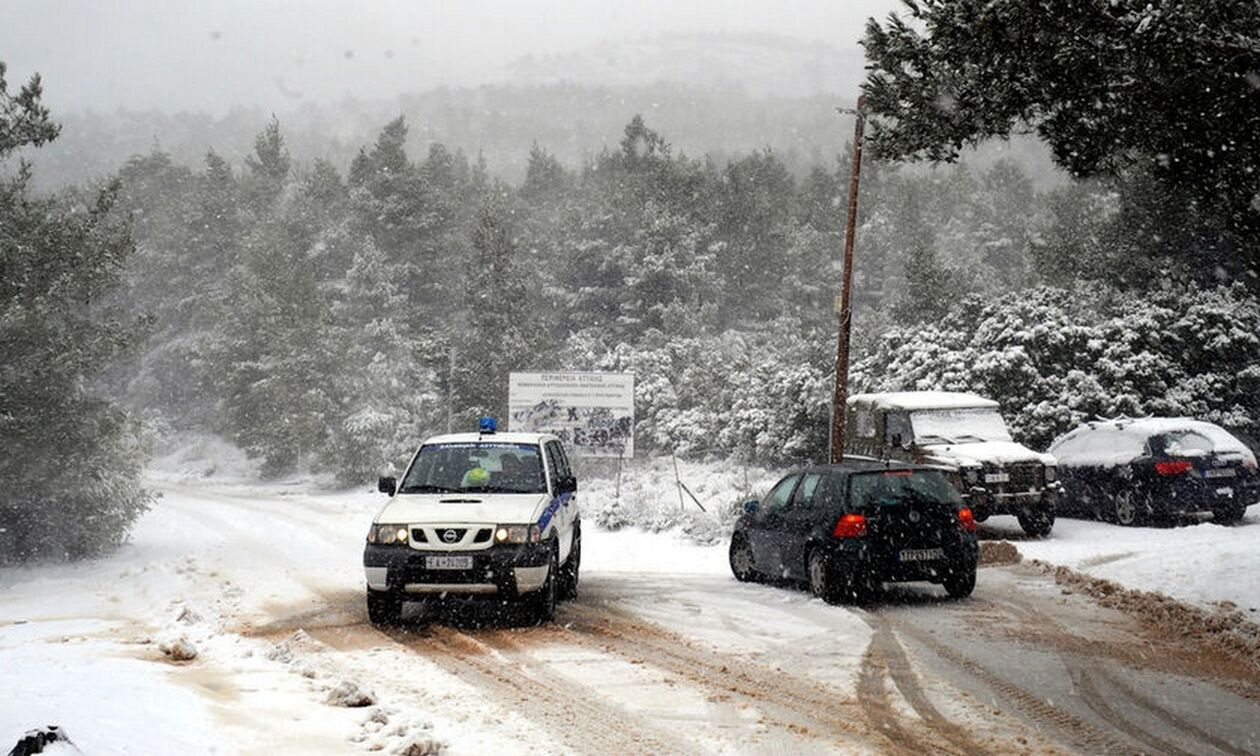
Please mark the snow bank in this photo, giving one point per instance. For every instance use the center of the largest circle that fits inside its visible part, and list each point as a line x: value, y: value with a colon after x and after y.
x: 1206, y: 565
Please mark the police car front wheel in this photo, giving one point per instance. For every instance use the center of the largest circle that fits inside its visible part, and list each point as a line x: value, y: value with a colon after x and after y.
x: 544, y: 602
x: 384, y: 608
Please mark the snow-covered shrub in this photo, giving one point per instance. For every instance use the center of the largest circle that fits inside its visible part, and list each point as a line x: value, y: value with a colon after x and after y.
x: 650, y: 499
x: 1054, y: 358
x: 761, y: 395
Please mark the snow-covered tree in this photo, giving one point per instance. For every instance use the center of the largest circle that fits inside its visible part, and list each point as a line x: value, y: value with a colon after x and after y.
x: 70, y: 468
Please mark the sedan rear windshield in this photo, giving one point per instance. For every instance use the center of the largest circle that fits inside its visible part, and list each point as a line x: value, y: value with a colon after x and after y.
x: 1182, y: 444
x: 897, y: 487
x: 476, y: 467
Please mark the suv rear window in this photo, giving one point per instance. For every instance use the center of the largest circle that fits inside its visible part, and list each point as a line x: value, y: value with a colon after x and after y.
x: 896, y: 487
x: 475, y: 468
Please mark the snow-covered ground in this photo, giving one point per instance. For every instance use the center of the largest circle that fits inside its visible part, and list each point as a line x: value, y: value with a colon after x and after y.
x: 1202, y: 564
x: 264, y: 582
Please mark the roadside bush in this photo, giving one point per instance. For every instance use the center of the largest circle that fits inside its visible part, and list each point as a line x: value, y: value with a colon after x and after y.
x: 1054, y: 358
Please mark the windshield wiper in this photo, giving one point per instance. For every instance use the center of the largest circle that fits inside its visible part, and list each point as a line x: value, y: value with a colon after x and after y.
x: 972, y: 436
x: 495, y: 489
x: 932, y: 438
x: 428, y: 488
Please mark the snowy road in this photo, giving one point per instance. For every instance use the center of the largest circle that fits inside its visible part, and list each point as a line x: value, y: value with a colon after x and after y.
x: 663, y: 652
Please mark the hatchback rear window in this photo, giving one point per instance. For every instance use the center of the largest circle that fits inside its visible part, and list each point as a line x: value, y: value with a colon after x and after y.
x: 897, y: 487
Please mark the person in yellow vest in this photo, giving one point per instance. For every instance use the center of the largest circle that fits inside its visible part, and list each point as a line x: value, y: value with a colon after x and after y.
x: 475, y: 478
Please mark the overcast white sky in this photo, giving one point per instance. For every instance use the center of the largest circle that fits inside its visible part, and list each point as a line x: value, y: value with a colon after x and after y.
x: 209, y: 55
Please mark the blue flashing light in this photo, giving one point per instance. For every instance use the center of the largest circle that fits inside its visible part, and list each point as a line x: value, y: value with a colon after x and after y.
x: 488, y: 425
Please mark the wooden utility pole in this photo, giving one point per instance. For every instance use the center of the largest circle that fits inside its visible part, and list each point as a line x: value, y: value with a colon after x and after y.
x: 844, y: 305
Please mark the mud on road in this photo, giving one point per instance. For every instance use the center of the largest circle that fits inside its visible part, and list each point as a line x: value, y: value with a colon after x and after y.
x: 1021, y: 667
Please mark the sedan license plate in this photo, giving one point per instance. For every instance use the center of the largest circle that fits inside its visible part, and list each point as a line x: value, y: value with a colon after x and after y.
x: 1220, y: 472
x: 448, y: 563
x: 1000, y: 477
x: 920, y: 555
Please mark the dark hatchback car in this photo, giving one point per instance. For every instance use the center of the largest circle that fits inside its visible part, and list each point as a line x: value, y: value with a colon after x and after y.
x: 1135, y: 471
x: 846, y: 528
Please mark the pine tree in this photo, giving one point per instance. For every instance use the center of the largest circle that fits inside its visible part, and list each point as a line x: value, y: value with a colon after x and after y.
x: 274, y: 354
x: 70, y: 471
x: 1164, y: 90
x: 381, y: 393
x: 499, y: 335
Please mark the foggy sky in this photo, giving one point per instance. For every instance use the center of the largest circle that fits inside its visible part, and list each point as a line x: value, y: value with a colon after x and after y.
x: 177, y: 55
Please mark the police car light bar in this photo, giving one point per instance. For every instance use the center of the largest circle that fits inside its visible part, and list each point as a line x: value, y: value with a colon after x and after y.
x: 488, y: 425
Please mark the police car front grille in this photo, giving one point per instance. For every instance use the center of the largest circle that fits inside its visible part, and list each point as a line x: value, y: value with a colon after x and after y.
x: 418, y: 536
x: 450, y: 535
x: 483, y: 535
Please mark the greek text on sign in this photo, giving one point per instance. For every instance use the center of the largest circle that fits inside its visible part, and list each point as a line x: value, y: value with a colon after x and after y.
x: 593, y: 413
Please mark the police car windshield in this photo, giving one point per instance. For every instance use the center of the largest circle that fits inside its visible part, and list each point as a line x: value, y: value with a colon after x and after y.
x: 475, y: 467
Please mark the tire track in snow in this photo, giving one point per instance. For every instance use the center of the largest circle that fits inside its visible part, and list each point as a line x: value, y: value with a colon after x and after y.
x: 808, y: 701
x: 1073, y: 729
x: 891, y: 657
x: 1091, y: 678
x: 569, y: 712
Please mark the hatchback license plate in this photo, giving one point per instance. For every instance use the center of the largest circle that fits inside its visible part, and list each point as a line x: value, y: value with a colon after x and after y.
x: 448, y: 563
x: 920, y: 555
x: 1219, y: 472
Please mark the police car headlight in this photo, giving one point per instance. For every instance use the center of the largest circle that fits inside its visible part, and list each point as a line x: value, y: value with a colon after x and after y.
x: 388, y: 534
x: 517, y: 534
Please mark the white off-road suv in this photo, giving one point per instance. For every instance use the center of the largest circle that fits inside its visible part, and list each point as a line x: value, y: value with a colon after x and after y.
x: 477, y: 515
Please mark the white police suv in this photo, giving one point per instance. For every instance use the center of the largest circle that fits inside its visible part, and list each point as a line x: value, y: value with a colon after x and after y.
x: 487, y: 514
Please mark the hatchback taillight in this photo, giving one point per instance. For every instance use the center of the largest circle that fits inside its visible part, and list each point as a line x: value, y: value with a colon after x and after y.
x: 850, y: 526
x: 1173, y: 466
x: 967, y: 520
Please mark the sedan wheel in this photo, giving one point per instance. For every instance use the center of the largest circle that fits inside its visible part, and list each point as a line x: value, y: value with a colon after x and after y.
x: 1126, y: 509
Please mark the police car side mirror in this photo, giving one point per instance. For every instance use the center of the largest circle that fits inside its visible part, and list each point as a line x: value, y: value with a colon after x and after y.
x: 387, y: 485
x: 751, y: 506
x: 566, y: 485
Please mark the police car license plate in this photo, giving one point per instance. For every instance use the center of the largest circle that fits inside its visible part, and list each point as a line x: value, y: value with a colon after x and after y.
x: 1219, y: 472
x: 448, y: 563
x: 920, y: 555
x: 997, y: 478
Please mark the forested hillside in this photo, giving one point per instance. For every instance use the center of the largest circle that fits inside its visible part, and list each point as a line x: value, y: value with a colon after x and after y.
x: 328, y: 320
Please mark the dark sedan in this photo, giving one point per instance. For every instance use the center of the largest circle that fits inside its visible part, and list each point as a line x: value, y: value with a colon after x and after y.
x: 1133, y: 471
x: 844, y: 529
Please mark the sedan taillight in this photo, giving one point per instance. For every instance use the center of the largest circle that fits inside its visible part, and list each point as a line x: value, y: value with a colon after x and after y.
x: 1173, y: 467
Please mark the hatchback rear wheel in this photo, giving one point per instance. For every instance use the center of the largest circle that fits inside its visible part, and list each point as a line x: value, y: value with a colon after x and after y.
x: 822, y: 582
x: 960, y: 583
